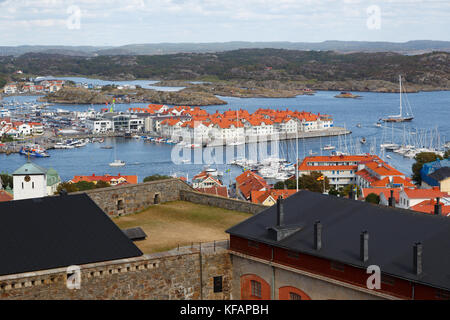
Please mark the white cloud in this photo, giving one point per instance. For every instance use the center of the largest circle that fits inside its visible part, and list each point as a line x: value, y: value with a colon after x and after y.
x: 218, y: 20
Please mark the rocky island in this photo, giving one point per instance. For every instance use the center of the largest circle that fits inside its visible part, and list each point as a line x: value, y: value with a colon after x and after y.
x: 347, y: 95
x: 72, y: 95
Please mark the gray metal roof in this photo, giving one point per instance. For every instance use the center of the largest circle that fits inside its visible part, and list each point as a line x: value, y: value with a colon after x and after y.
x: 441, y: 174
x: 135, y: 234
x: 30, y: 168
x: 393, y: 233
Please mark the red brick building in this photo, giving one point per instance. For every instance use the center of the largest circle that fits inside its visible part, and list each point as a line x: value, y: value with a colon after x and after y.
x: 314, y: 246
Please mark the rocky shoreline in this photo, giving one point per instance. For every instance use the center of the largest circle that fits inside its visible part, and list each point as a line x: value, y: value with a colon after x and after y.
x: 288, y: 89
x: 208, y: 93
x: 71, y: 95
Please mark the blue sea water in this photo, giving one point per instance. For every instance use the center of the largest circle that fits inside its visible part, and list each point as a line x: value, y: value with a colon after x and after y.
x: 431, y: 111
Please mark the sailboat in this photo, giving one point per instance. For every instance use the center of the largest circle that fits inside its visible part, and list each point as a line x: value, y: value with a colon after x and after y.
x: 116, y: 162
x: 401, y: 117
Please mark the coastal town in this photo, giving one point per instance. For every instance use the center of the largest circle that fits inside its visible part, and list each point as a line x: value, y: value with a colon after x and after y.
x: 225, y: 156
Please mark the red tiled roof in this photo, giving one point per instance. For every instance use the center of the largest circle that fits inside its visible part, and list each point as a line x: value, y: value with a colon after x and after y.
x: 5, y: 196
x: 250, y: 181
x: 204, y: 175
x: 218, y: 191
x: 383, y: 169
x: 425, y: 193
x: 261, y: 196
x: 395, y: 180
x: 427, y: 206
x: 107, y: 178
x: 385, y: 191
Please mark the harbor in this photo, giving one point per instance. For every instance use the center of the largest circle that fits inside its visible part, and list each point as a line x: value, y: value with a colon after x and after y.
x: 148, y: 153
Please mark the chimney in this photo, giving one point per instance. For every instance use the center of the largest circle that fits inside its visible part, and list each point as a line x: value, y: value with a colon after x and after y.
x: 280, y: 212
x: 317, y: 235
x: 364, y: 246
x: 438, y: 207
x: 392, y: 199
x: 418, y: 248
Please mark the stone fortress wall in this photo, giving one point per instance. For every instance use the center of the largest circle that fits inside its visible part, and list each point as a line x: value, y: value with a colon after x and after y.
x: 187, y: 273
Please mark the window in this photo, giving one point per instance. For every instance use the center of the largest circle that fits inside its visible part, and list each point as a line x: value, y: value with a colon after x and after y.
x: 120, y: 205
x: 337, y: 266
x: 256, y: 288
x: 253, y: 244
x: 387, y: 280
x: 294, y: 296
x: 32, y: 185
x: 293, y: 255
x: 443, y: 295
x: 217, y: 284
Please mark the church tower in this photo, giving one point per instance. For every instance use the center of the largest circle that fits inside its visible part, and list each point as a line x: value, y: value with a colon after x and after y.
x: 30, y: 181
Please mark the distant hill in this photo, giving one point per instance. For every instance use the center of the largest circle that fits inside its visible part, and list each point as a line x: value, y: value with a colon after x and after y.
x: 409, y: 48
x: 427, y: 71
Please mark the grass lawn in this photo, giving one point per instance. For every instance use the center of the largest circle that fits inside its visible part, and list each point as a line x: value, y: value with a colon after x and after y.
x: 179, y: 222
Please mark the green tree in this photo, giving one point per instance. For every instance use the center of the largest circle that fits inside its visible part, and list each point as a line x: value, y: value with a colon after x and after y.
x: 287, y: 184
x: 310, y: 182
x: 421, y: 159
x: 447, y: 154
x: 102, y: 184
x: 7, y: 180
x: 6, y: 138
x: 307, y: 182
x: 373, y: 198
x: 345, y: 191
x: 85, y: 185
x: 156, y: 177
x: 333, y: 191
x: 68, y: 186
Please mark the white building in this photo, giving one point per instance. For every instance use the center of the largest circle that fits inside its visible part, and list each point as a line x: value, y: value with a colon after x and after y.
x: 410, y: 197
x: 32, y: 181
x: 99, y: 125
x: 10, y: 89
x: 29, y: 181
x: 24, y: 129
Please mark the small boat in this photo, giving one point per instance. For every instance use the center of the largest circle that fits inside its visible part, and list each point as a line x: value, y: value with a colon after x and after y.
x: 358, y: 125
x: 363, y: 140
x: 34, y: 151
x: 329, y: 147
x: 106, y: 147
x: 117, y: 163
x: 388, y: 156
x: 312, y: 153
x: 378, y: 125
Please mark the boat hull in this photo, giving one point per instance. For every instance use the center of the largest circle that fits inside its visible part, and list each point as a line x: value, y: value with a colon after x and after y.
x: 398, y: 119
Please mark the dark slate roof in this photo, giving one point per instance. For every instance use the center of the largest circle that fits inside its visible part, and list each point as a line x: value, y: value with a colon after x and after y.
x: 441, y: 174
x: 135, y: 234
x: 392, y: 235
x: 53, y: 232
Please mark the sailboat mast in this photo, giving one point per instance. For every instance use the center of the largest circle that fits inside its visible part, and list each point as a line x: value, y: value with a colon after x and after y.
x: 296, y: 158
x: 401, y: 112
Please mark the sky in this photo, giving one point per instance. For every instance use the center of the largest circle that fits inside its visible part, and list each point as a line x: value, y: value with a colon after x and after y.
x: 120, y: 22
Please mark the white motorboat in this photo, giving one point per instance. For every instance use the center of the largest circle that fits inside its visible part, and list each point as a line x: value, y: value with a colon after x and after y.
x: 329, y: 147
x: 117, y: 163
